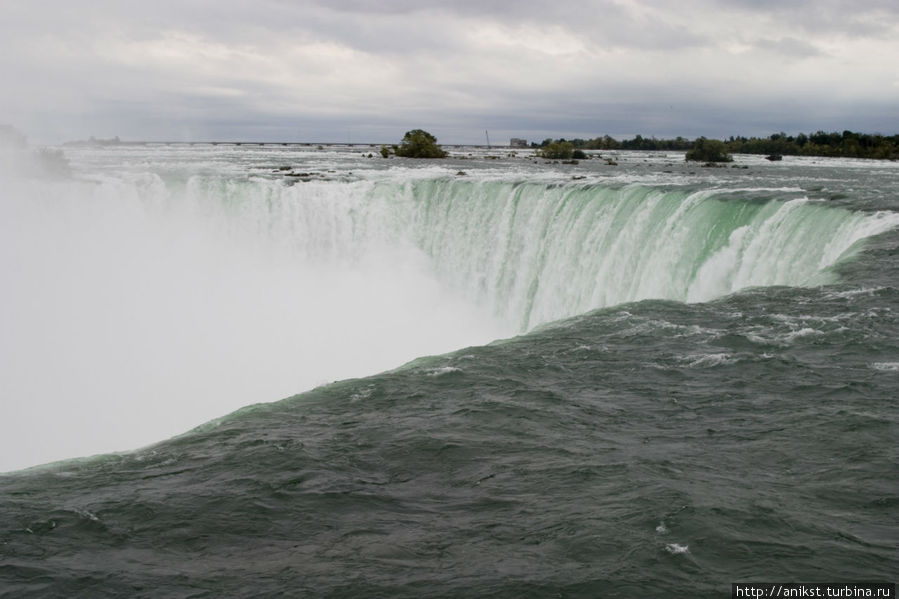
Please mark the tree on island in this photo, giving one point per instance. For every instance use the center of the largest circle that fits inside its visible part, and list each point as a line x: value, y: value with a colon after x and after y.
x: 709, y: 150
x: 418, y: 143
x: 557, y: 150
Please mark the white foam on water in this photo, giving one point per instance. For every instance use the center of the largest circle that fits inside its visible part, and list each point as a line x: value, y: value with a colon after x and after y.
x: 781, y: 338
x: 444, y: 370
x: 867, y: 291
x: 709, y: 360
x: 803, y: 332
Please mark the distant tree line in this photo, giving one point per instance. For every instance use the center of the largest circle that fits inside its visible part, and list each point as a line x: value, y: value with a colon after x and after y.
x: 607, y: 142
x: 847, y: 144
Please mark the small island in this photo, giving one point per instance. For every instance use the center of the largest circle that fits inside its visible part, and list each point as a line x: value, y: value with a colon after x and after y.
x: 708, y: 150
x: 418, y: 143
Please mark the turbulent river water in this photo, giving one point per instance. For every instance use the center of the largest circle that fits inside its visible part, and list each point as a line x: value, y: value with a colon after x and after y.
x: 516, y: 378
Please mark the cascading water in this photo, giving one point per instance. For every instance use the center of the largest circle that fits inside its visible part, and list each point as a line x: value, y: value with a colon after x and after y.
x: 537, y: 253
x: 534, y: 253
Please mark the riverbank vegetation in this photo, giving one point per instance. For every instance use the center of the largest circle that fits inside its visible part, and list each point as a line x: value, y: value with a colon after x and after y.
x: 847, y: 144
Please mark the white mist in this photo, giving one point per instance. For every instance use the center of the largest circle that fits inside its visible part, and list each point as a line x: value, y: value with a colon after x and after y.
x: 132, y: 312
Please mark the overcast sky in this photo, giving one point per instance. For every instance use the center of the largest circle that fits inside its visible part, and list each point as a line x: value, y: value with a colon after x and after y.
x: 367, y: 71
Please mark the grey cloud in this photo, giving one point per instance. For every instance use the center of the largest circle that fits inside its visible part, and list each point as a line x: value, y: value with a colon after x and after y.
x: 380, y: 67
x: 789, y: 47
x: 855, y: 18
x: 601, y: 22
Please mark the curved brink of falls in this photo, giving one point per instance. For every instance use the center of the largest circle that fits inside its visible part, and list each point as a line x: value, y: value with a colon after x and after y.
x: 535, y: 253
x: 538, y: 253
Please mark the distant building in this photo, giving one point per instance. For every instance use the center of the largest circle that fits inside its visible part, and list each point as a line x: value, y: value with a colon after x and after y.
x: 515, y: 142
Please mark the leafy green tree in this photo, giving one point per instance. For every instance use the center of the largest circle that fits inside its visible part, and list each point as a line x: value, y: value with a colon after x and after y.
x: 709, y: 150
x: 418, y: 143
x: 558, y: 150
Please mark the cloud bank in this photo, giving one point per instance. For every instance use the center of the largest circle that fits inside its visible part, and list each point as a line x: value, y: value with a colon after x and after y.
x: 358, y: 71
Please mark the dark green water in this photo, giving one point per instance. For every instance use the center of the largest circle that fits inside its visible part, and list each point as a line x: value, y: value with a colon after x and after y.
x: 647, y: 449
